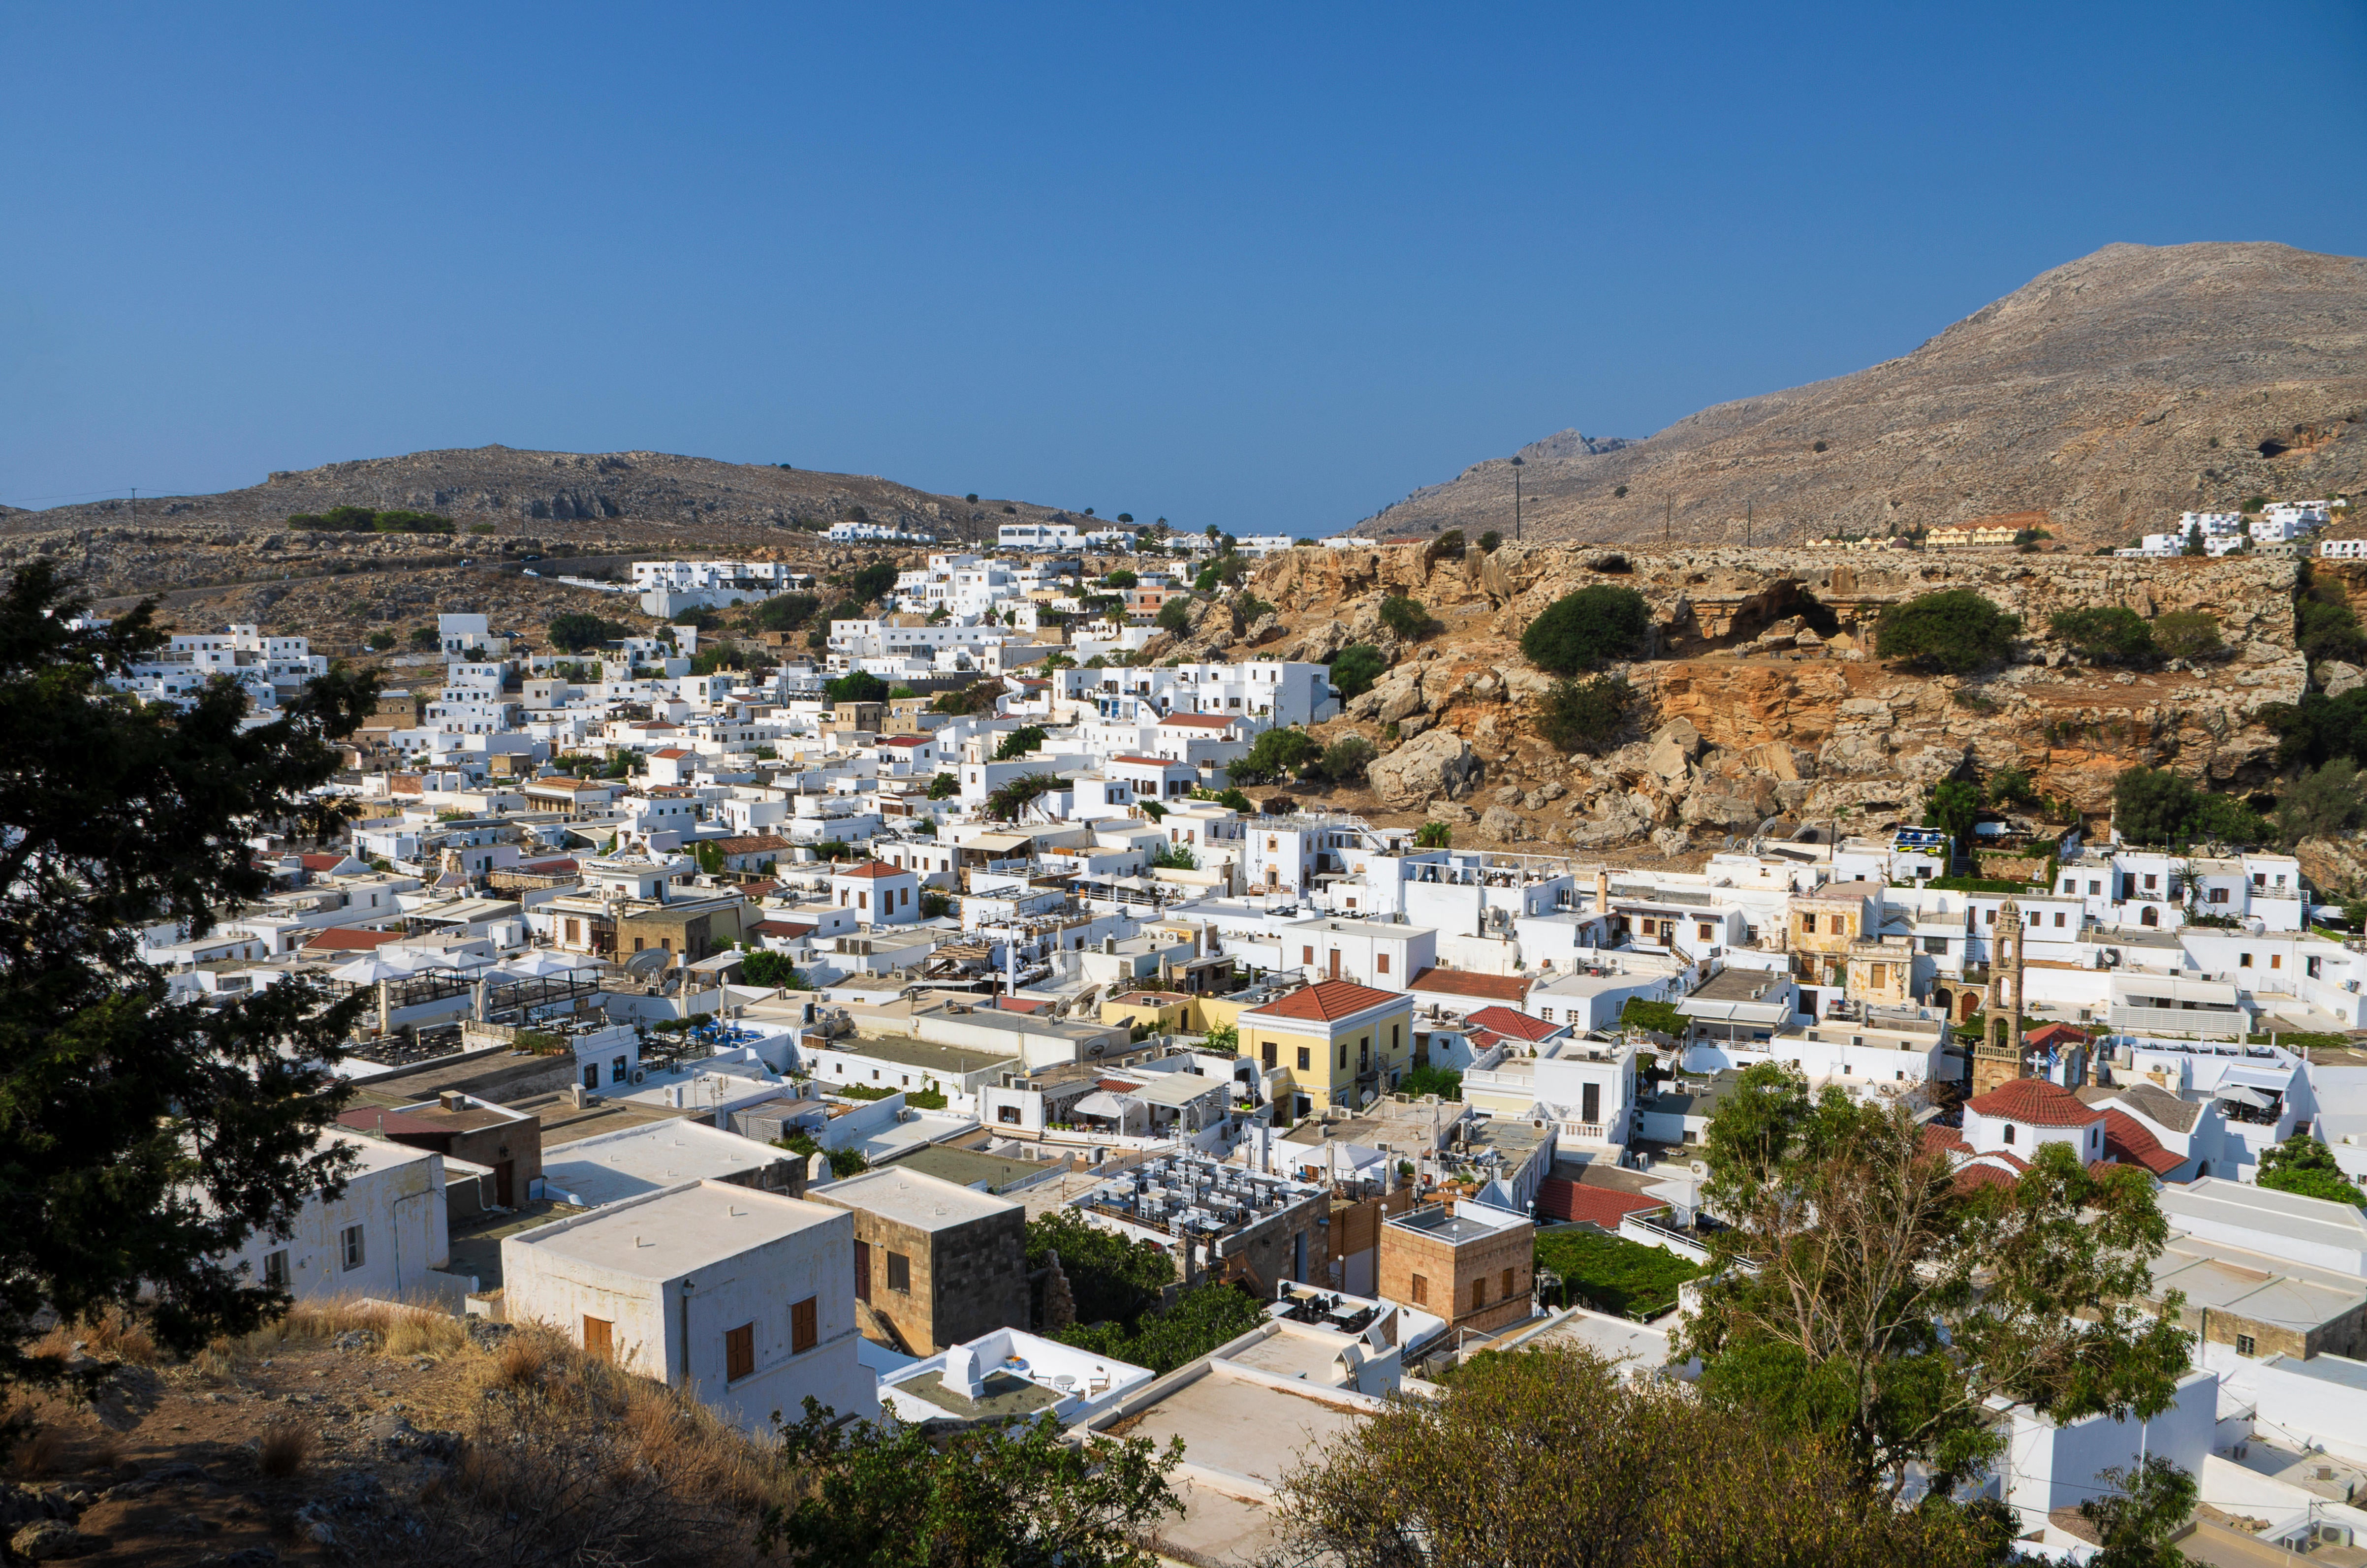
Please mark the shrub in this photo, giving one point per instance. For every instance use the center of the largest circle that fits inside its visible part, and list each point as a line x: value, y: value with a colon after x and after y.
x: 2322, y: 801
x: 1659, y: 1018
x: 1355, y: 668
x: 1582, y: 715
x: 1408, y: 618
x: 1580, y: 631
x: 787, y: 612
x: 2301, y: 1165
x: 1954, y: 807
x: 1443, y: 1082
x: 1489, y: 542
x: 873, y: 581
x: 2326, y: 626
x: 2012, y: 786
x: 1203, y: 1317
x: 2112, y: 635
x: 766, y: 968
x: 575, y: 631
x: 935, y: 905
x: 944, y: 787
x: 2154, y: 805
x: 1958, y: 631
x: 1174, y: 857
x: 2187, y: 634
x: 1344, y: 760
x: 1432, y: 836
x: 1122, y: 578
x: 862, y: 686
x: 1019, y: 742
x: 424, y: 638
x: 1250, y: 608
x: 1447, y: 545
x: 381, y: 639
x: 1611, y: 1274
x: 1273, y: 753
x: 285, y: 1447
x: 1175, y: 616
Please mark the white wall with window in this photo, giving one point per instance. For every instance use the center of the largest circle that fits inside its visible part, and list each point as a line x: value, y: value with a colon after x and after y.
x: 384, y: 1236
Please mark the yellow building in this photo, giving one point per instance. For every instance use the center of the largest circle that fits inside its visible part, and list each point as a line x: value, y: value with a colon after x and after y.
x: 1827, y: 925
x: 1340, y: 1043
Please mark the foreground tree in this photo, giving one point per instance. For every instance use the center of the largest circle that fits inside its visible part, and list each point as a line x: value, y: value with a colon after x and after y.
x: 1582, y: 631
x: 143, y: 1138
x: 1864, y: 1298
x: 887, y: 1497
x: 1547, y: 1458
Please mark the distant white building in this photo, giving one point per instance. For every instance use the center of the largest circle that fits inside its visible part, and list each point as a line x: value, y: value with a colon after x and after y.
x: 1038, y: 536
x: 745, y: 1298
x: 1263, y: 544
x: 874, y: 534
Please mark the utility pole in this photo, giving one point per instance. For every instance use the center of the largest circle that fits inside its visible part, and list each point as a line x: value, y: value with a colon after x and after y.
x: 1668, y: 519
x: 1746, y: 524
x: 135, y: 506
x: 1516, y: 498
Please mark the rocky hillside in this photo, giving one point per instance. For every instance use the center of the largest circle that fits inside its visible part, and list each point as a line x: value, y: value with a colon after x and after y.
x: 549, y: 502
x: 1747, y: 709
x: 2112, y: 393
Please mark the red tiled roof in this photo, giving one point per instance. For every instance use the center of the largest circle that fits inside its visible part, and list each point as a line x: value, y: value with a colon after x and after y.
x: 321, y: 862
x: 2126, y: 1140
x: 1944, y: 1140
x: 873, y: 868
x: 1151, y: 762
x: 1519, y: 1025
x: 1973, y: 1175
x: 2035, y: 1101
x: 1328, y: 999
x: 1509, y: 988
x: 904, y: 739
x: 783, y: 928
x: 344, y: 939
x: 671, y: 753
x: 751, y: 844
x: 1605, y: 1206
x: 2047, y: 1034
x: 1199, y: 721
x: 1022, y: 1004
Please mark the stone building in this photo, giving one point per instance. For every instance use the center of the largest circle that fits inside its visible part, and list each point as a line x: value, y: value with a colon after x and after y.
x: 1472, y: 1265
x: 935, y: 1264
x: 1998, y: 1059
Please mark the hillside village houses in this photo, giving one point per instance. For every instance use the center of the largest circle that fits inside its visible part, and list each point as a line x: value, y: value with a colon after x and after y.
x: 648, y: 949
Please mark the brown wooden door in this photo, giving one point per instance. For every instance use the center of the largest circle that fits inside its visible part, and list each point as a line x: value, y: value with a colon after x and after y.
x: 863, y: 1269
x: 805, y: 1331
x: 599, y: 1337
x: 504, y: 1193
x: 1335, y: 964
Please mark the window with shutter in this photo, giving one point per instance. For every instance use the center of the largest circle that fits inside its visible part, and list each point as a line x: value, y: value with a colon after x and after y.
x: 804, y: 1329
x: 738, y: 1352
x: 862, y: 1250
x: 599, y: 1337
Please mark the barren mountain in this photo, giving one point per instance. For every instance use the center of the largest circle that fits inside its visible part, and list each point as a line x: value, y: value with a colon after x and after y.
x: 2112, y: 393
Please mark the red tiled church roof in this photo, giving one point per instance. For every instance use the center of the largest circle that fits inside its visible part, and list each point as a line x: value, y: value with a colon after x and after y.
x: 2034, y: 1101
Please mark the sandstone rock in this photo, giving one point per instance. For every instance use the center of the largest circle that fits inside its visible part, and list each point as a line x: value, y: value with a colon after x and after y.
x: 1449, y: 812
x: 1508, y: 795
x: 1502, y: 825
x: 1410, y: 727
x: 50, y: 1539
x: 1438, y: 762
x: 1681, y: 734
x: 1671, y: 841
x: 1399, y: 700
x: 2336, y: 678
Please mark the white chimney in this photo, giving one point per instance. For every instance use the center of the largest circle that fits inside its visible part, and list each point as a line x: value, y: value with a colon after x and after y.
x: 962, y: 1374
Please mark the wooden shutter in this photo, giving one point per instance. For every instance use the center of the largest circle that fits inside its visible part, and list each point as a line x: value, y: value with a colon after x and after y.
x: 738, y: 1352
x: 1479, y: 1293
x: 863, y: 1252
x: 805, y: 1331
x: 599, y: 1337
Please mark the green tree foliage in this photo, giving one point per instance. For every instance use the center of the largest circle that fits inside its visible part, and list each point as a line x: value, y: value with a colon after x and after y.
x: 1175, y: 615
x: 2112, y: 635
x: 978, y: 697
x: 1110, y: 1278
x: 1020, y: 742
x: 935, y: 905
x: 861, y: 686
x: 874, y: 582
x: 1432, y: 836
x: 1861, y: 1299
x: 2187, y: 634
x: 1660, y: 1018
x: 1344, y: 760
x: 1584, y: 716
x: 882, y: 1496
x: 2325, y: 624
x: 1203, y: 1317
x: 2135, y: 1519
x: 1957, y: 631
x: 2301, y: 1165
x: 1354, y: 669
x: 1443, y: 1082
x: 424, y: 638
x: 380, y: 640
x: 766, y: 968
x: 142, y: 1137
x: 1174, y: 857
x: 1272, y: 754
x: 2322, y: 801
x: 2154, y: 805
x: 944, y: 787
x: 1954, y: 807
x: 1489, y: 542
x: 575, y: 631
x: 1005, y: 802
x: 711, y: 858
x: 1448, y: 546
x: 1592, y: 626
x: 1608, y: 1273
x: 1408, y: 618
x: 1122, y: 578
x: 787, y: 612
x: 1552, y: 1457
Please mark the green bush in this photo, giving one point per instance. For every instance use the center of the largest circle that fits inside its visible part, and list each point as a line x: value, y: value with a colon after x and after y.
x: 1408, y: 618
x: 381, y: 639
x: 1583, y: 715
x: 2322, y: 801
x: 1354, y: 669
x: 1110, y: 1278
x: 1206, y: 1316
x: 1273, y: 753
x: 1174, y: 857
x: 1122, y: 578
x: 575, y: 631
x: 1953, y: 806
x: 1958, y: 631
x: 2155, y: 806
x: 762, y: 967
x: 787, y: 612
x: 1344, y: 760
x: 1489, y: 542
x: 874, y: 582
x: 1019, y: 742
x: 1175, y: 616
x: 1433, y: 835
x: 2112, y: 635
x: 862, y: 686
x: 944, y: 787
x: 1448, y: 546
x: 2326, y: 626
x: 1612, y: 1274
x: 1443, y: 1082
x: 935, y: 905
x: 2187, y: 634
x: 2304, y: 1166
x: 1580, y: 631
x: 1660, y: 1018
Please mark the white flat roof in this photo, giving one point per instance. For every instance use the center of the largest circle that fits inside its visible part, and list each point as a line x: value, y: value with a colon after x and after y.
x: 914, y: 1198
x: 611, y: 1166
x: 2244, y: 1207
x: 667, y: 1234
x: 1176, y: 1088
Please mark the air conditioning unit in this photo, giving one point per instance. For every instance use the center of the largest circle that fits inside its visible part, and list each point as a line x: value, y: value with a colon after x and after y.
x: 638, y: 1075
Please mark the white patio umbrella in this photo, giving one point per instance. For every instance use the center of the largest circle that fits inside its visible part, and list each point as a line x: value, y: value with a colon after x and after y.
x: 368, y: 970
x: 542, y: 961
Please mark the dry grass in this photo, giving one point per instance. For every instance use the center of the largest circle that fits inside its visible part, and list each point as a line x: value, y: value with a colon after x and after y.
x: 113, y: 1336
x: 519, y: 1363
x: 37, y: 1453
x: 285, y: 1448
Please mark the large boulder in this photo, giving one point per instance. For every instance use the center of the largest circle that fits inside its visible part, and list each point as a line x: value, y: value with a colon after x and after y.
x: 1503, y: 824
x: 1435, y: 762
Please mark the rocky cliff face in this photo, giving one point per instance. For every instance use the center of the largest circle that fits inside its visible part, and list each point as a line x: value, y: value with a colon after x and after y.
x: 2112, y: 393
x: 1760, y: 696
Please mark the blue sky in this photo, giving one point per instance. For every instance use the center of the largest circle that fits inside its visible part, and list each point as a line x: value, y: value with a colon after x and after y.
x: 1265, y: 266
